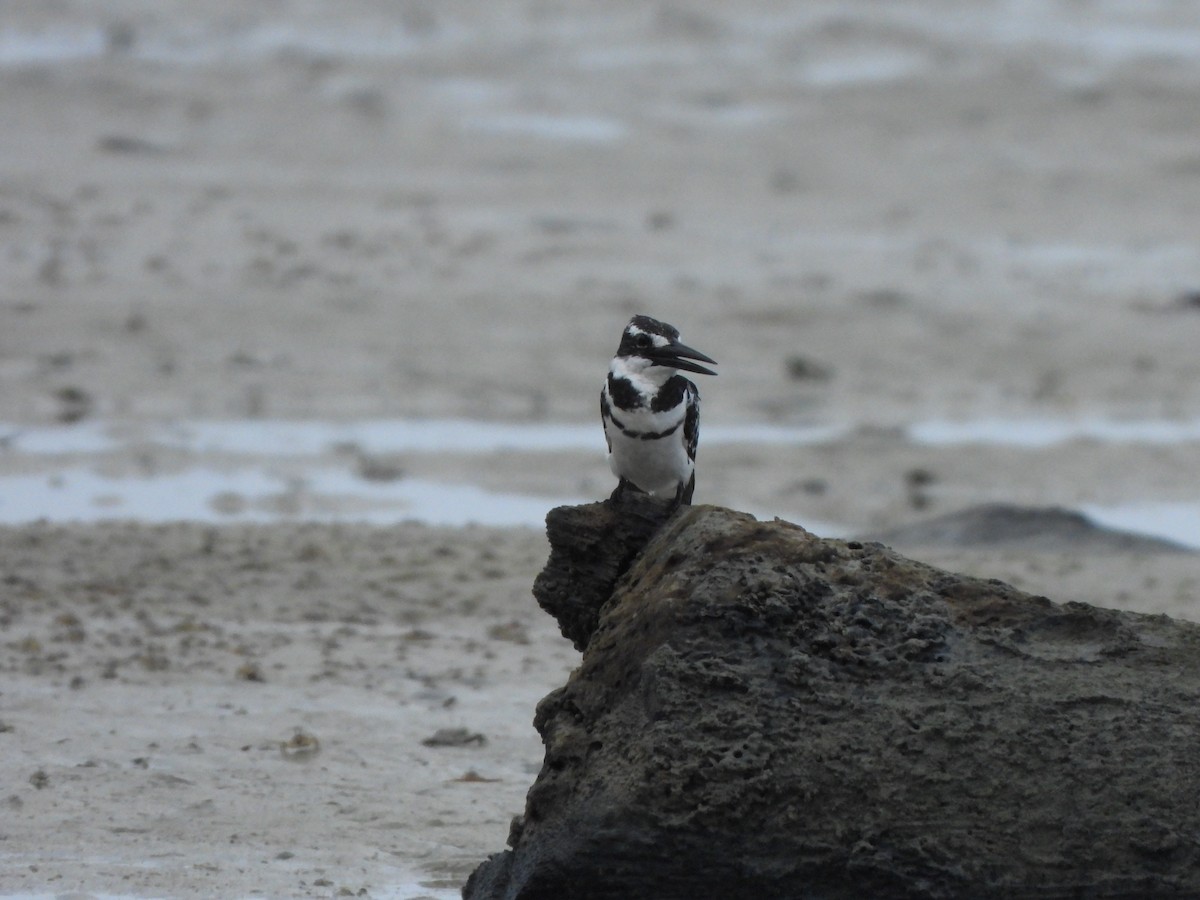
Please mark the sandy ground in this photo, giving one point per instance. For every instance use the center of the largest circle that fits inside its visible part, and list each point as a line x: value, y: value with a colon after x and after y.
x: 219, y: 712
x: 872, y: 215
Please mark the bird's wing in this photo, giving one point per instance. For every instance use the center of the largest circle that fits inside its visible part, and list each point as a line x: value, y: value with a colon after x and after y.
x: 691, y: 422
x: 605, y: 415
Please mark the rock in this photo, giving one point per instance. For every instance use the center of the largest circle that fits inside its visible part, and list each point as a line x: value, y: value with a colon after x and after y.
x: 1023, y: 527
x: 760, y: 713
x: 454, y: 737
x: 591, y: 546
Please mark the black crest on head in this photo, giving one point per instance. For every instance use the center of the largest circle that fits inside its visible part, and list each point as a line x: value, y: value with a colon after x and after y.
x: 636, y: 336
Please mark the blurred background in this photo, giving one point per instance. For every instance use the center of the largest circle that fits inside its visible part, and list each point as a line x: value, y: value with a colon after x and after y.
x: 300, y: 262
x: 369, y: 260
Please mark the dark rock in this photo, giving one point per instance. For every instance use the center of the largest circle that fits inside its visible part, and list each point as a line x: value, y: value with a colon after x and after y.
x: 801, y: 368
x: 760, y: 713
x: 1189, y: 300
x: 129, y: 144
x: 590, y: 548
x: 1032, y: 528
x: 454, y: 737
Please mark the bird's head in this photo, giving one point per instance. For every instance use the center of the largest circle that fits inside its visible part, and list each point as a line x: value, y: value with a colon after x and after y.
x: 647, y: 342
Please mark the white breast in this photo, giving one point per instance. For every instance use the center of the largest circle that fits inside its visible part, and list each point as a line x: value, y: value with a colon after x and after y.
x: 655, y: 466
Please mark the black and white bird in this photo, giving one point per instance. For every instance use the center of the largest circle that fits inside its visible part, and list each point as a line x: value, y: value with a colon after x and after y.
x: 651, y: 413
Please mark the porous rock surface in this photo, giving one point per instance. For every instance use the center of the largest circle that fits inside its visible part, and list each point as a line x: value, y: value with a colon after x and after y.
x: 761, y: 713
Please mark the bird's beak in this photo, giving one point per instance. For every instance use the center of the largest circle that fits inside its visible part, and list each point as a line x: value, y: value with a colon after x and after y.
x: 680, y: 356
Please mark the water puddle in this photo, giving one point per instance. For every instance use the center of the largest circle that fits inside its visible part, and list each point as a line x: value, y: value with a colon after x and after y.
x: 1034, y: 433
x: 1178, y: 522
x: 196, y: 43
x: 234, y: 471
x: 258, y: 495
x: 558, y: 128
x: 271, y: 470
x: 23, y: 48
x: 276, y: 438
x: 1100, y: 34
x: 1108, y: 36
x: 876, y: 68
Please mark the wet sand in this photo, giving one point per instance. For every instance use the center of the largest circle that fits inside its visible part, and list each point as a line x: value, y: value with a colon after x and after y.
x: 873, y: 218
x: 194, y: 711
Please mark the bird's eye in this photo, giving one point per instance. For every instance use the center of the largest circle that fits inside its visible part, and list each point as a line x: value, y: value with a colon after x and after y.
x: 642, y: 341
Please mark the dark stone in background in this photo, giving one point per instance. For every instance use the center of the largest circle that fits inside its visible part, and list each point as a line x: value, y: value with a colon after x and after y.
x: 1026, y: 528
x: 764, y: 714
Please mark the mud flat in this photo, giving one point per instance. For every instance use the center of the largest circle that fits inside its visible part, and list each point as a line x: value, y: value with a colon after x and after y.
x: 192, y: 711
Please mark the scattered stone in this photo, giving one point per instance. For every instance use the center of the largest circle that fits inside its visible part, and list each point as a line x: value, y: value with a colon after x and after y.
x: 73, y: 404
x: 418, y: 635
x: 884, y: 298
x: 660, y: 220
x: 250, y: 671
x: 454, y: 737
x: 816, y: 487
x: 801, y: 368
x: 473, y: 777
x: 125, y: 144
x: 120, y: 37
x: 1188, y: 300
x: 301, y: 747
x: 378, y: 468
x: 228, y: 503
x: 917, y: 482
x: 513, y: 632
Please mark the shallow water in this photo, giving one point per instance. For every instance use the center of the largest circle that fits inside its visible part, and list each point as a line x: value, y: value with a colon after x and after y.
x: 248, y: 486
x: 267, y: 437
x: 1178, y: 522
x: 282, y: 438
x: 1049, y: 432
x: 257, y: 495
x: 1099, y: 33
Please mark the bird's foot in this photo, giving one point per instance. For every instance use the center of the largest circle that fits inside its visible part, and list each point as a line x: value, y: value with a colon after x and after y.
x: 615, y: 498
x: 683, y: 494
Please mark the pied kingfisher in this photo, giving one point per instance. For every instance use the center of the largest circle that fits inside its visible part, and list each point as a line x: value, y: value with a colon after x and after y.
x: 651, y: 413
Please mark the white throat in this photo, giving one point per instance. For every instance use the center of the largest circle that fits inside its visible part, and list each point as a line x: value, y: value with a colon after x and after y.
x: 644, y: 375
